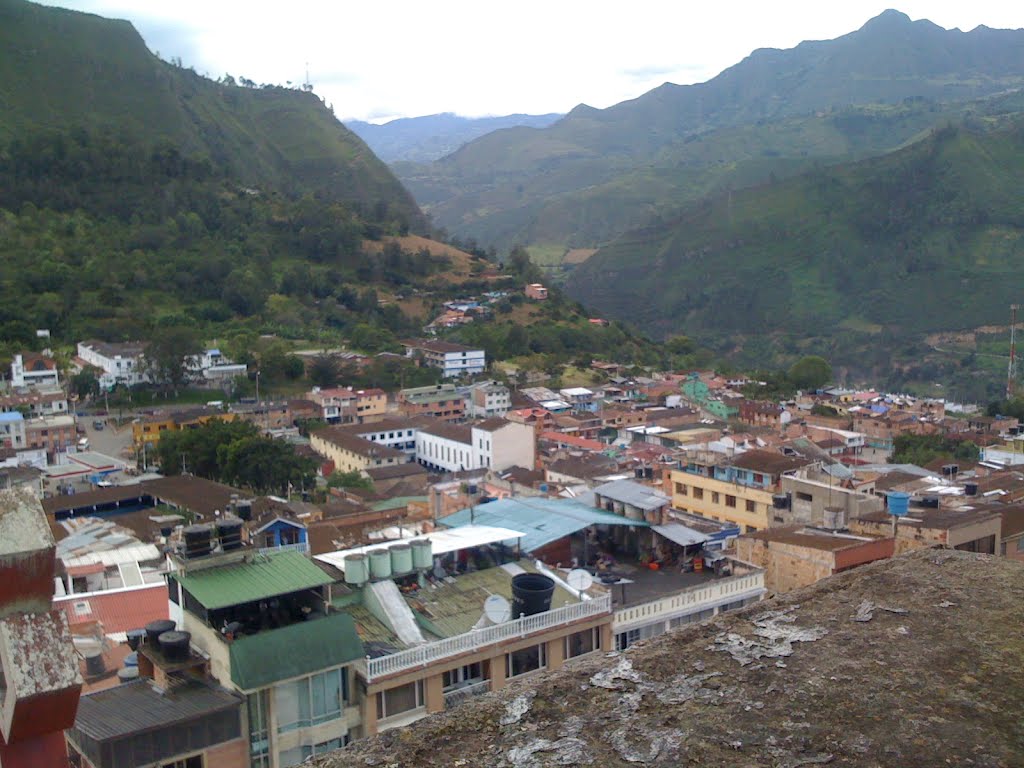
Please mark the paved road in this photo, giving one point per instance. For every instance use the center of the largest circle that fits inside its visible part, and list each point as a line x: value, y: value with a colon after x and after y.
x: 108, y: 441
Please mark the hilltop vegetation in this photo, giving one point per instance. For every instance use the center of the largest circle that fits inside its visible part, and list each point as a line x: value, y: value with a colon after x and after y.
x: 598, y: 173
x: 852, y: 261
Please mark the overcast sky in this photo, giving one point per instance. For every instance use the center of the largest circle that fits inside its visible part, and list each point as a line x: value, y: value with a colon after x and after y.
x: 381, y: 59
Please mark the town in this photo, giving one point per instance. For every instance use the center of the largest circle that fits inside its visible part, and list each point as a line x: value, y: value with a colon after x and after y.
x: 447, y: 540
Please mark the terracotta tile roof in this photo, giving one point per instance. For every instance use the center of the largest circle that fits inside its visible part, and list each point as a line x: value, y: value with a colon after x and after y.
x: 117, y: 610
x: 573, y: 441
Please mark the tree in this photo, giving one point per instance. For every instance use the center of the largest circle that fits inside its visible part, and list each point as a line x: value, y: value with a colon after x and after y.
x: 351, y: 479
x: 169, y: 352
x: 85, y: 383
x: 810, y: 372
x: 324, y: 371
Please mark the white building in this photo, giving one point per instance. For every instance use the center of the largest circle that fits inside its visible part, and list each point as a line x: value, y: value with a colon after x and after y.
x: 119, y: 363
x: 12, y: 430
x: 487, y: 399
x: 214, y: 368
x: 493, y: 444
x: 452, y: 359
x: 34, y: 370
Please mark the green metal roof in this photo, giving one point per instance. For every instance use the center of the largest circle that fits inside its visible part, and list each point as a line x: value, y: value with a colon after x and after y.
x: 543, y: 520
x: 268, y: 575
x: 294, y: 651
x: 396, y: 503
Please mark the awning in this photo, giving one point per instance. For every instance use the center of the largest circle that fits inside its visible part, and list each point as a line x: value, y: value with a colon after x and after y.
x: 680, y: 534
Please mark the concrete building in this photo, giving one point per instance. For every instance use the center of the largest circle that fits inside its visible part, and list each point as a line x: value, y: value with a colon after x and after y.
x: 119, y: 364
x: 442, y: 402
x: 343, y: 405
x: 265, y: 622
x: 487, y: 399
x: 798, y: 556
x: 451, y: 359
x: 34, y: 371
x: 351, y: 453
x: 212, y: 368
x: 53, y: 434
x: 12, y: 430
x: 36, y: 402
x: 536, y: 291
x: 820, y: 501
x: 964, y: 528
x: 492, y: 444
x: 41, y: 683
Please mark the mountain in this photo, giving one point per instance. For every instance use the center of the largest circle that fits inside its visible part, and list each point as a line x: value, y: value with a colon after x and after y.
x: 61, y: 69
x: 596, y: 173
x: 428, y: 138
x: 853, y: 261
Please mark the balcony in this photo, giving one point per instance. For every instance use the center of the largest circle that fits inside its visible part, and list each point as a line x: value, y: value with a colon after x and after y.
x: 458, y: 695
x: 424, y: 655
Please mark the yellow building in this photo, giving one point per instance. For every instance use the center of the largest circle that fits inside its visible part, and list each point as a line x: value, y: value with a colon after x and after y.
x: 147, y: 431
x: 749, y: 508
x: 371, y: 405
x: 351, y: 453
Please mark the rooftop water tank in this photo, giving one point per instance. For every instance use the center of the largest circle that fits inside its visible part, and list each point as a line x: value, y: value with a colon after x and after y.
x: 229, y: 531
x: 898, y: 503
x: 357, y: 569
x: 970, y: 489
x: 243, y: 509
x: 401, y: 558
x: 197, y: 540
x: 94, y: 664
x: 127, y: 674
x: 422, y: 554
x: 131, y: 660
x: 531, y: 593
x: 156, y: 628
x: 174, y: 645
x: 135, y: 638
x: 380, y: 563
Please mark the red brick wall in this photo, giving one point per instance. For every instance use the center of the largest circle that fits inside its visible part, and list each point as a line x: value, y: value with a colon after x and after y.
x: 26, y: 581
x: 230, y: 754
x: 866, y: 553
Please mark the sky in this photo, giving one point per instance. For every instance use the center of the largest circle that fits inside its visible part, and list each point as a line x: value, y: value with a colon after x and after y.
x: 384, y: 59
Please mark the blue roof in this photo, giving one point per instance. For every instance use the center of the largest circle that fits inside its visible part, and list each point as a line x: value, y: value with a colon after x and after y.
x: 542, y: 520
x: 11, y: 416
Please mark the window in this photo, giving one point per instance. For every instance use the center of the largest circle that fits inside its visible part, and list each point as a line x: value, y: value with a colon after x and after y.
x: 751, y: 529
x: 804, y: 496
x: 259, y: 743
x: 758, y: 478
x: 698, y: 493
x: 310, y: 701
x: 297, y: 755
x: 681, y: 489
x: 196, y: 761
x: 730, y: 501
x: 462, y: 676
x: 714, y: 497
x: 579, y: 643
x: 526, y: 660
x: 749, y: 505
x: 403, y: 698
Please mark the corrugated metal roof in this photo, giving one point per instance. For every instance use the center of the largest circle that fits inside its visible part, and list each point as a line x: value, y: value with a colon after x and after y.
x: 680, y: 534
x: 136, y: 707
x: 294, y: 651
x: 635, y: 494
x: 268, y: 575
x: 541, y: 520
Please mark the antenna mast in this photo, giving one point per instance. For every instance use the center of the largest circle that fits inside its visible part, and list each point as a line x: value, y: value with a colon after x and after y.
x: 1011, y: 371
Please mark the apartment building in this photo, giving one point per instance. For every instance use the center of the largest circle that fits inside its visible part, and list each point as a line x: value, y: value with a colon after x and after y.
x: 119, y: 364
x: 487, y: 399
x: 492, y: 444
x: 351, y: 453
x: 34, y: 371
x: 451, y: 359
x: 443, y: 402
x: 737, y: 489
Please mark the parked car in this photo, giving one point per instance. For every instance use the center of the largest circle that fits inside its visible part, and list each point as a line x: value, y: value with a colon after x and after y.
x: 97, y: 425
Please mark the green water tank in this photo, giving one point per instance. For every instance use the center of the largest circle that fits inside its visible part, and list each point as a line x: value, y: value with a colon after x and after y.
x: 401, y: 558
x: 422, y: 554
x: 357, y: 569
x: 380, y: 563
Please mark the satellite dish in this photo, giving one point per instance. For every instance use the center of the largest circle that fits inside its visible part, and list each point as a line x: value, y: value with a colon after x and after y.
x: 497, y: 609
x: 579, y: 579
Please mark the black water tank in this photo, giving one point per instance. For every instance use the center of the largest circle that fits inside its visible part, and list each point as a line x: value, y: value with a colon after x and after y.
x: 780, y: 500
x: 244, y: 509
x: 174, y: 645
x: 229, y: 531
x: 649, y: 473
x: 135, y: 637
x: 531, y: 593
x: 930, y: 502
x: 197, y: 540
x: 970, y: 489
x: 156, y: 628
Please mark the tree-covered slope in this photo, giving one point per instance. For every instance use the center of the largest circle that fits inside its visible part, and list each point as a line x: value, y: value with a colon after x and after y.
x: 596, y: 173
x: 927, y: 238
x: 62, y: 70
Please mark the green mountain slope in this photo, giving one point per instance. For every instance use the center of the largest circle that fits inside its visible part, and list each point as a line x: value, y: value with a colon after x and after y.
x: 61, y: 69
x: 596, y: 173
x: 927, y: 238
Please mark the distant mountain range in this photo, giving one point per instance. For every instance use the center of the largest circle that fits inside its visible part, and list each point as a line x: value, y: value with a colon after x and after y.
x: 597, y: 173
x: 428, y: 138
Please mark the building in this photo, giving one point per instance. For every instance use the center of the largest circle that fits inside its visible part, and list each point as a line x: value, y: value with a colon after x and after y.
x: 441, y: 401
x: 579, y: 398
x: 451, y: 359
x: 146, y: 431
x: 265, y: 622
x: 40, y: 680
x: 963, y: 528
x: 492, y: 444
x: 36, y: 403
x: 121, y: 364
x: 213, y: 368
x: 798, y: 556
x: 735, y: 489
x: 820, y: 500
x: 12, y: 430
x: 536, y: 291
x: 763, y: 413
x: 433, y: 634
x: 487, y: 399
x: 343, y: 405
x: 351, y: 453
x: 34, y: 371
x: 53, y: 434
